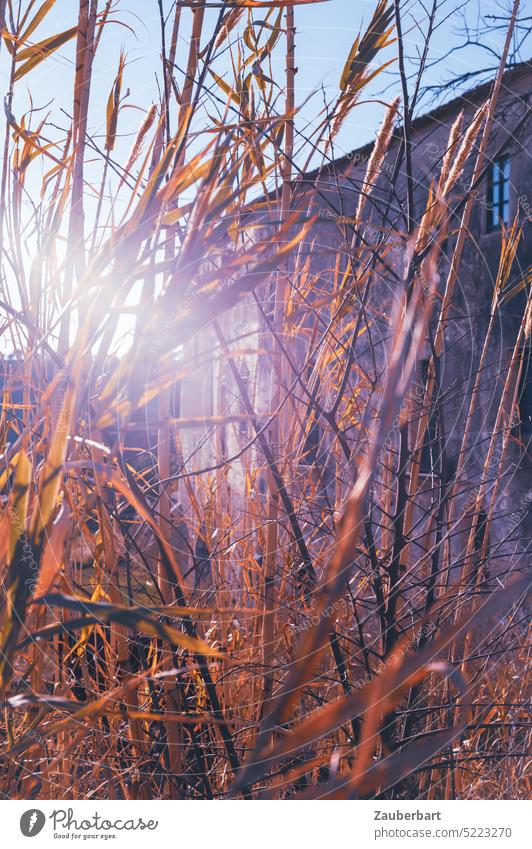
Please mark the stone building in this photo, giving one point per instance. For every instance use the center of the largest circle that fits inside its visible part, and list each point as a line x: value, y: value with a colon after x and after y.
x: 330, y: 194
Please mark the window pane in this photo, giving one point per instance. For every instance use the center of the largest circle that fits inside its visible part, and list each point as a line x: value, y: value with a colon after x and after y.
x: 499, y: 193
x: 506, y: 168
x: 505, y: 213
x: 495, y: 194
x: 506, y: 191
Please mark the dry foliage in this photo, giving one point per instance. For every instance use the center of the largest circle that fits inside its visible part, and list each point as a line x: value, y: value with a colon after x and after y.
x: 328, y: 652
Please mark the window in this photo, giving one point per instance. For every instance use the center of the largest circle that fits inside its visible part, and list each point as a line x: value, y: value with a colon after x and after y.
x: 430, y: 453
x: 175, y: 400
x: 498, y: 200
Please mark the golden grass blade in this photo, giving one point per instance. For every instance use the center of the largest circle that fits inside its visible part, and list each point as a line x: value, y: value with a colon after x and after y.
x: 33, y: 56
x: 113, y: 106
x: 366, y: 47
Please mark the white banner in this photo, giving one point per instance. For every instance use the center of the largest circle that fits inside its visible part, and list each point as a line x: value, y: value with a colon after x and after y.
x: 266, y: 825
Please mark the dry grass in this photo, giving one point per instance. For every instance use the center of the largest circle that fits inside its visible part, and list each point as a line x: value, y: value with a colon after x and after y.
x: 313, y: 620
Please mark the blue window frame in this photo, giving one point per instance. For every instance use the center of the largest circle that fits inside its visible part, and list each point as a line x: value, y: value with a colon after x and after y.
x: 499, y: 193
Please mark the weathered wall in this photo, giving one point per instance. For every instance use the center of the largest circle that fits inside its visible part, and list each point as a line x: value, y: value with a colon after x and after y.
x: 331, y: 195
